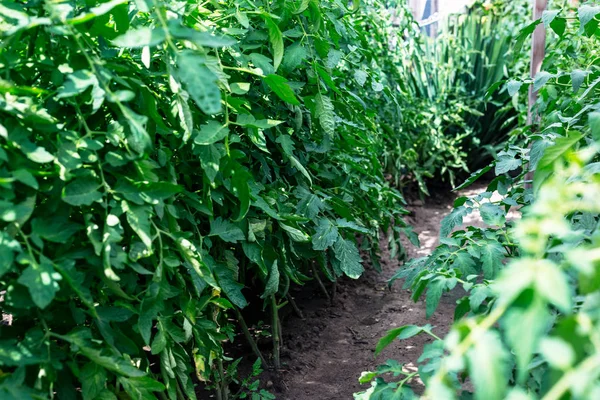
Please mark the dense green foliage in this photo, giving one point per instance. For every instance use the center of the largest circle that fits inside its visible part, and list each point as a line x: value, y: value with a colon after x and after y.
x: 446, y: 121
x: 528, y: 327
x: 163, y: 163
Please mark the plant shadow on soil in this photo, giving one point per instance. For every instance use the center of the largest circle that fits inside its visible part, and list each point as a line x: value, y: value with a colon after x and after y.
x: 324, y: 354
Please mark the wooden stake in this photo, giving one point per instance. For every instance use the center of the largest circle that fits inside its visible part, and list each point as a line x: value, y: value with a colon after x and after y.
x: 538, y: 51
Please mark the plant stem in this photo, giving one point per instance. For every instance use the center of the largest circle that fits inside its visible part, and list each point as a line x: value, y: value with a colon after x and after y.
x: 295, y: 306
x: 558, y: 390
x: 318, y: 278
x: 249, y: 337
x: 333, y: 290
x: 275, y: 328
x: 223, y: 386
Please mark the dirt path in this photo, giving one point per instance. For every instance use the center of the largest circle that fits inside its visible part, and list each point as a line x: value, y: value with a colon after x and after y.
x: 325, y: 353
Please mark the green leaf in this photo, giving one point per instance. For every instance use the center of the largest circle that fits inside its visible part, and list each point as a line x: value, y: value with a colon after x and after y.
x: 296, y: 164
x: 506, y: 163
x: 553, y: 285
x: 560, y: 147
x: 294, y: 233
x: 138, y: 138
x: 540, y: 80
x: 272, y: 285
x: 39, y: 155
x: 160, y: 342
x: 77, y: 83
x: 82, y: 191
x: 435, y: 289
x: 8, y: 247
x: 558, y: 353
x: 141, y: 387
x: 464, y: 262
x: 112, y: 363
x: 287, y: 144
x: 294, y: 56
x: 18, y: 213
x: 360, y: 76
x: 550, y: 20
x: 524, y: 34
x: 200, y: 82
x: 594, y: 122
x: 325, y: 236
x: 548, y: 16
x: 577, y: 78
x: 139, y: 220
x: 326, y: 76
x: 226, y: 230
x: 302, y: 7
x: 347, y: 254
x: 25, y: 177
x: 231, y: 287
x: 453, y: 220
x: 325, y: 113
x: 492, y: 255
x: 42, y: 282
x: 473, y: 177
x: 513, y: 87
x: 492, y: 214
x: 524, y: 324
x: 17, y: 354
x: 242, y: 192
x: 210, y: 158
x: 276, y: 39
x: 239, y: 87
x: 342, y: 223
x: 403, y: 332
x: 140, y: 37
x: 93, y: 380
x: 202, y: 39
x: 242, y: 18
x: 279, y: 86
x: 537, y: 151
x: 54, y: 229
x: 587, y: 13
x: 210, y: 133
x: 488, y: 367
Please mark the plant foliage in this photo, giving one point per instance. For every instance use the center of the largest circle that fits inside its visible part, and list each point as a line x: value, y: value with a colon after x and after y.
x: 528, y: 325
x: 160, y: 161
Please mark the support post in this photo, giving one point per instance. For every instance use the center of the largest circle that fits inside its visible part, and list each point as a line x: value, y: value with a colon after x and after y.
x: 538, y: 51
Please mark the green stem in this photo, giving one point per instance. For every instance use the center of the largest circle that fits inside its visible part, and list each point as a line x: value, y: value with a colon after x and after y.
x: 318, y: 278
x: 223, y: 389
x: 249, y: 337
x: 562, y: 386
x: 295, y: 306
x: 276, y: 337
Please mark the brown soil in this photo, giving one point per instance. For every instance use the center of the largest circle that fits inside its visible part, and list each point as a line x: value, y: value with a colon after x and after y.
x: 324, y: 354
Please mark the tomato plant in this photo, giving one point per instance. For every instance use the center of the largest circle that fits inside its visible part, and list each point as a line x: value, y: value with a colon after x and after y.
x: 159, y: 161
x: 528, y: 326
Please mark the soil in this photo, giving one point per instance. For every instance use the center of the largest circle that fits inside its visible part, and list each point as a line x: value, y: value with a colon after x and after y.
x: 324, y: 354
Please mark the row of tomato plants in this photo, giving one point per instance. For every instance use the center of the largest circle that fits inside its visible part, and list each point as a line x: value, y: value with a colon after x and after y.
x: 162, y: 163
x: 528, y: 326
